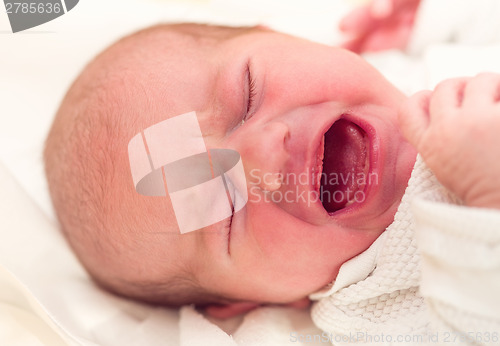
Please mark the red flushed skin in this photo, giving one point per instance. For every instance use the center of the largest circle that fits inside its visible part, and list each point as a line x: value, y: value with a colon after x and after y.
x: 302, y: 89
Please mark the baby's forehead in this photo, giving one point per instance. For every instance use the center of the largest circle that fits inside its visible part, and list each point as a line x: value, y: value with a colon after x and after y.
x: 182, y: 35
x: 177, y: 47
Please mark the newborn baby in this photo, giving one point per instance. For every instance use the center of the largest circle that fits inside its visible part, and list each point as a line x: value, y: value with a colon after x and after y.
x: 288, y: 92
x: 288, y: 107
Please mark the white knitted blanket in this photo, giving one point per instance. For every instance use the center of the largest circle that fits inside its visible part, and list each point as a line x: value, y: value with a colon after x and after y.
x: 375, y: 298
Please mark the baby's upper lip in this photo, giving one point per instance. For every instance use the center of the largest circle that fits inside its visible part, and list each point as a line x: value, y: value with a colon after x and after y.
x: 304, y: 168
x: 315, y: 153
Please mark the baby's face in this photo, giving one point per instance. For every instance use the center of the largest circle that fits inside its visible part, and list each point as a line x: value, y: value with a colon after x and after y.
x: 275, y: 99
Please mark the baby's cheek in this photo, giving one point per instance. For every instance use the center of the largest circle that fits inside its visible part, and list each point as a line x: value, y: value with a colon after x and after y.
x: 278, y: 234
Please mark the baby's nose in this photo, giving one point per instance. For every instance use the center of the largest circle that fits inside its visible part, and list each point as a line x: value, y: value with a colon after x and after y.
x: 266, y: 155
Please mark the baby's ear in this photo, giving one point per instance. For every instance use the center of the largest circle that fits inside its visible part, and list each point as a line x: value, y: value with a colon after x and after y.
x: 229, y: 310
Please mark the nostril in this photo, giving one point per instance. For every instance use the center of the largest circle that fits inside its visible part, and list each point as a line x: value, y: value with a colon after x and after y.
x: 271, y: 181
x: 264, y: 154
x: 287, y: 137
x: 279, y: 130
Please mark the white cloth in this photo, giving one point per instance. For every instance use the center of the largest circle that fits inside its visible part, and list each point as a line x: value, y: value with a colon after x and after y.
x: 458, y: 251
x: 451, y: 38
x: 455, y: 21
x: 44, y: 291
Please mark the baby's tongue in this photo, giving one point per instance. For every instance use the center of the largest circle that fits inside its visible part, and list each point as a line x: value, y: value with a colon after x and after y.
x: 344, y: 159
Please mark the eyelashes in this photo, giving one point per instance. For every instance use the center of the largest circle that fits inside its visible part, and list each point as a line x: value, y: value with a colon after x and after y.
x: 251, y: 91
x: 227, y: 224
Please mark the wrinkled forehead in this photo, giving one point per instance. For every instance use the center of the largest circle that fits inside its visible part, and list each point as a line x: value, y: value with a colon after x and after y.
x: 168, y: 70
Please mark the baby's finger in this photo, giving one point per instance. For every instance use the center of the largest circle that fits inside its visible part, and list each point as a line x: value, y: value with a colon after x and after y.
x: 447, y: 96
x: 414, y: 117
x: 484, y: 89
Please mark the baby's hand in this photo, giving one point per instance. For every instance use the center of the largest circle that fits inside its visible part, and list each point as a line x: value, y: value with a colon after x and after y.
x: 382, y: 24
x: 456, y: 129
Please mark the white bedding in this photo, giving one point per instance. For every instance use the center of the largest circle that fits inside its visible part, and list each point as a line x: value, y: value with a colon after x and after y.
x: 46, y: 298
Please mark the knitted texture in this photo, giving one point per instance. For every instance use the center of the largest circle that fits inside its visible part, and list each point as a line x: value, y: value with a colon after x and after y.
x: 387, y: 300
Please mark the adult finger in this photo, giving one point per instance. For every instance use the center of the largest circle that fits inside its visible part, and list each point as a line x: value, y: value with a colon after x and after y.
x: 381, y: 8
x: 357, y: 22
x: 354, y: 45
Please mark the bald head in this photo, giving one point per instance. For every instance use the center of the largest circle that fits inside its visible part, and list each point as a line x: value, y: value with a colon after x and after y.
x: 119, y: 235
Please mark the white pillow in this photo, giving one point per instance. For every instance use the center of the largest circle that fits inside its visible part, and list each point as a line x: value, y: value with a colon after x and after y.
x: 41, y: 275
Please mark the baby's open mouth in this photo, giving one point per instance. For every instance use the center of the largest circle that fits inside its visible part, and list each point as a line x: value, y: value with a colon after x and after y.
x: 345, y: 166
